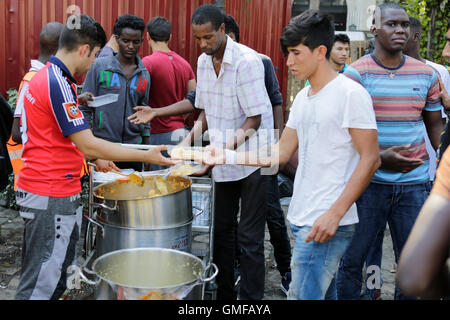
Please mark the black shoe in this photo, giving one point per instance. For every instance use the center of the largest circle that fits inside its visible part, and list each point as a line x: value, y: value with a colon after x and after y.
x: 285, y: 282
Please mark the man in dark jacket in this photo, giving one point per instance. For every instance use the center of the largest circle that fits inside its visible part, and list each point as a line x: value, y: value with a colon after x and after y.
x: 6, y: 120
x: 124, y: 74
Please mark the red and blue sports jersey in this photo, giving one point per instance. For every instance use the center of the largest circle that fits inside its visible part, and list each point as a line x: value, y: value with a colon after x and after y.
x: 52, y: 162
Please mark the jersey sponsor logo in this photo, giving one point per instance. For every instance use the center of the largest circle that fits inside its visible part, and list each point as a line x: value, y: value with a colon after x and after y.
x: 73, y: 113
x: 29, y: 97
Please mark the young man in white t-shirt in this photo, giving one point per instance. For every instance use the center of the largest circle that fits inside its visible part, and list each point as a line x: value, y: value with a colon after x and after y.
x: 332, y: 123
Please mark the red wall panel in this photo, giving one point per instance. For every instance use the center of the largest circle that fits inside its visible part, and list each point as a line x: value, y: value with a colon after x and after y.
x: 3, y: 24
x: 261, y: 23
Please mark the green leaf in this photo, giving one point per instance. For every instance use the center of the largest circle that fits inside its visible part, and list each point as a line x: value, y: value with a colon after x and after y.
x: 12, y: 98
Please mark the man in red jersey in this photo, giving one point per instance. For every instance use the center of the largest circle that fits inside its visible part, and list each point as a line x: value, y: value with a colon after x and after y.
x: 55, y: 138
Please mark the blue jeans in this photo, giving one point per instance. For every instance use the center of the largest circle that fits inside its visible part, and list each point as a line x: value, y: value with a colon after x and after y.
x: 168, y: 138
x: 314, y: 265
x: 398, y: 205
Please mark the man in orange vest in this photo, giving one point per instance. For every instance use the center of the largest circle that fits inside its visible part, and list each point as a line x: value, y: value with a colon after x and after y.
x: 48, y: 40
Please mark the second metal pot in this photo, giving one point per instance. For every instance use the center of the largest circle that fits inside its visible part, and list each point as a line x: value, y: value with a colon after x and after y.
x: 149, y: 274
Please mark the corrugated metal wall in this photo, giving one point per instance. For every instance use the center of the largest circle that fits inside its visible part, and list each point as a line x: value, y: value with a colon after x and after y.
x: 261, y: 22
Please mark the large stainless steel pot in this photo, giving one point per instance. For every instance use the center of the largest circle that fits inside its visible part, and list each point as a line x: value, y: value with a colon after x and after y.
x: 150, y: 274
x: 127, y: 216
x: 125, y: 204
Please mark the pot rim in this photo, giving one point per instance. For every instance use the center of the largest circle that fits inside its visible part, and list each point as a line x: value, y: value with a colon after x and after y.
x: 104, y: 256
x: 143, y: 198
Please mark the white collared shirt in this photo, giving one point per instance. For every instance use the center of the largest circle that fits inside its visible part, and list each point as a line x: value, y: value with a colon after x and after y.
x: 327, y: 157
x: 238, y: 93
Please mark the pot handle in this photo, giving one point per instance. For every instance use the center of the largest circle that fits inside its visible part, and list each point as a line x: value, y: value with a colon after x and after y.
x: 85, y: 279
x: 104, y: 206
x: 199, y: 209
x: 216, y: 271
x: 88, y: 244
x: 94, y: 222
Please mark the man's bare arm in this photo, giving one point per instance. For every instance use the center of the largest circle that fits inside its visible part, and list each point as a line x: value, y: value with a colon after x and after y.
x: 15, y: 131
x: 433, y: 123
x: 422, y: 270
x: 95, y: 148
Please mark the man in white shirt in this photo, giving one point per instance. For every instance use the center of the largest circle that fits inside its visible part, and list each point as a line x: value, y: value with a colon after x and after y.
x: 237, y: 112
x: 332, y: 124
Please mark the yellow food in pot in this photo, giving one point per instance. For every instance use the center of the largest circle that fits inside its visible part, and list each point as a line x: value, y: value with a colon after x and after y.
x: 161, y: 185
x: 135, y: 179
x: 154, y: 186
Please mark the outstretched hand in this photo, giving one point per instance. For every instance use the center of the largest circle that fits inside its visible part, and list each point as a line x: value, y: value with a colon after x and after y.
x: 213, y: 156
x: 143, y: 115
x: 155, y: 156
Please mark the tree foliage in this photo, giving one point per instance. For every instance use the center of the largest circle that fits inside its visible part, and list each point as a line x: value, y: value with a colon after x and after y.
x: 433, y: 14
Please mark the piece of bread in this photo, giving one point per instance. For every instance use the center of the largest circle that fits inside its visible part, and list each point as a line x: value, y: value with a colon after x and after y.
x: 180, y: 153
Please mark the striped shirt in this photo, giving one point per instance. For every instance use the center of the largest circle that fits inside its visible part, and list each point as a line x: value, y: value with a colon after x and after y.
x: 239, y: 92
x: 399, y: 97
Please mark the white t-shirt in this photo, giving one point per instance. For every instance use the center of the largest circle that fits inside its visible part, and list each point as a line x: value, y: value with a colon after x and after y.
x: 443, y: 72
x: 445, y: 77
x: 327, y: 156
